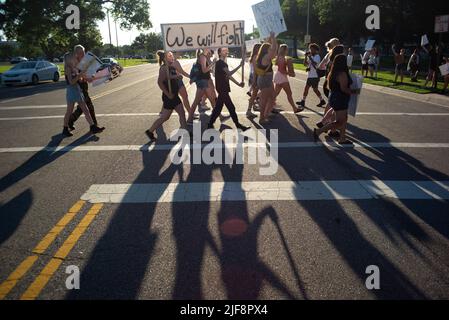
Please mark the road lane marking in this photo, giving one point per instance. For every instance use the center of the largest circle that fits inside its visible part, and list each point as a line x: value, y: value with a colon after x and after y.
x: 101, y: 95
x: 208, y: 113
x: 43, y: 245
x: 267, y: 191
x: 282, y: 145
x: 47, y: 272
x: 16, y: 276
x: 56, y: 230
x: 33, y: 107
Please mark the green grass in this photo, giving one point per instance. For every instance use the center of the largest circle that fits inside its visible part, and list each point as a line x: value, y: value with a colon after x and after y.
x: 134, y: 62
x: 386, y: 79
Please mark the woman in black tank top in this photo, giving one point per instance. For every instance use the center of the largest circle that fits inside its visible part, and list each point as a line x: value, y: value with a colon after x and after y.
x: 202, y: 83
x: 168, y: 83
x: 340, y: 94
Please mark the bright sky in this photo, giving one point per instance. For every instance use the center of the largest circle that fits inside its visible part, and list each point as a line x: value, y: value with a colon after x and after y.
x: 173, y: 11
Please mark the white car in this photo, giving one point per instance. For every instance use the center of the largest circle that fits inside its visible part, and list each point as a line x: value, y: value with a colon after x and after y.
x: 31, y: 72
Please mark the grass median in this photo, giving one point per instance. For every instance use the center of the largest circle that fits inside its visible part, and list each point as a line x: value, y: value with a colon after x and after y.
x: 386, y: 79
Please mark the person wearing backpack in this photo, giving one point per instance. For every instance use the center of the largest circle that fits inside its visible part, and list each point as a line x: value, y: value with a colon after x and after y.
x: 312, y: 60
x: 201, y: 74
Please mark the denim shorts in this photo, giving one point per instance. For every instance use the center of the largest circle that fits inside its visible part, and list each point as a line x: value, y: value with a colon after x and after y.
x: 202, y: 84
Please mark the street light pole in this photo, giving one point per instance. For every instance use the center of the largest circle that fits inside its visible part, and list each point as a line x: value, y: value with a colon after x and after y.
x: 109, y: 27
x: 116, y: 38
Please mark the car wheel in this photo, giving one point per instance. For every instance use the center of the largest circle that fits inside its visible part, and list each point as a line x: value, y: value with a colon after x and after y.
x: 56, y: 77
x: 35, y: 79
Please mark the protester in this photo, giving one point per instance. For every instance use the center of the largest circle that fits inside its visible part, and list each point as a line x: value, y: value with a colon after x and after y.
x: 372, y: 62
x: 201, y: 79
x: 182, y: 89
x: 285, y: 69
x: 446, y: 77
x: 399, y: 60
x: 264, y: 71
x: 433, y: 66
x: 413, y: 66
x: 222, y: 77
x: 350, y: 59
x: 340, y: 93
x: 254, y: 90
x: 365, y: 59
x: 79, y: 53
x: 168, y: 83
x: 312, y: 60
x: 377, y: 61
x: 75, y: 95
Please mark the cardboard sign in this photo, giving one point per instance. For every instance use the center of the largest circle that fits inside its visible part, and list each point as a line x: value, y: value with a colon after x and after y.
x: 444, y: 69
x: 350, y: 60
x: 90, y: 64
x: 192, y: 36
x: 357, y: 83
x: 269, y: 18
x: 250, y: 44
x: 369, y: 44
x: 424, y: 40
x: 101, y: 77
x: 442, y: 24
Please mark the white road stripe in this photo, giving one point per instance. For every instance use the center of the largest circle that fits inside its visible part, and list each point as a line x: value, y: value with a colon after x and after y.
x: 155, y: 114
x: 267, y: 191
x: 284, y: 145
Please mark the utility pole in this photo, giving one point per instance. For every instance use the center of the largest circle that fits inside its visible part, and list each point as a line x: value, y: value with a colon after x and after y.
x: 109, y: 27
x: 307, y: 38
x: 116, y: 38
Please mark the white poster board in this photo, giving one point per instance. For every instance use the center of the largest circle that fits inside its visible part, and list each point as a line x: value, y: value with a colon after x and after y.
x: 357, y: 83
x: 424, y: 40
x: 369, y: 44
x: 442, y: 24
x: 192, y: 36
x: 269, y: 18
x: 250, y: 44
x: 89, y: 64
x: 444, y: 69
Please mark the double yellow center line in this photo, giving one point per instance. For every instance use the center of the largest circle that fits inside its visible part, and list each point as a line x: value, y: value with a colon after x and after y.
x: 47, y: 272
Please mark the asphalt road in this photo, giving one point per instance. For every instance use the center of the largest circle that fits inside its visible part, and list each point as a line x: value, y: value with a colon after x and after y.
x: 138, y: 226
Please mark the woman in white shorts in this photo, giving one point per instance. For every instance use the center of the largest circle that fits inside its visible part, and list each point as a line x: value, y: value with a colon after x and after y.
x: 285, y: 69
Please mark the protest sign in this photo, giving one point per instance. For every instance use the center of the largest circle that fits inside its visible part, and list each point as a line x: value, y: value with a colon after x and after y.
x: 269, y: 18
x: 369, y: 44
x: 424, y: 40
x: 442, y: 24
x: 444, y: 69
x: 250, y: 44
x: 101, y: 77
x: 89, y: 64
x: 357, y: 84
x: 192, y: 36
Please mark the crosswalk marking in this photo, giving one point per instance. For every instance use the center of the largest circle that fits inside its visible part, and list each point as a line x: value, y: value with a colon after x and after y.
x: 267, y: 191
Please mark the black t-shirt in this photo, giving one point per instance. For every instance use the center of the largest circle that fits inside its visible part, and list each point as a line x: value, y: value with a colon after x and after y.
x: 221, y: 78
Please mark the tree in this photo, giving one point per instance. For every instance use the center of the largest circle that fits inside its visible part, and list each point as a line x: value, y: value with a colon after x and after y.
x: 147, y: 43
x: 34, y: 24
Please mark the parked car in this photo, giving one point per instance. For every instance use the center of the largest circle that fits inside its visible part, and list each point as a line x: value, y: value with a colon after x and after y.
x: 115, y: 67
x: 17, y: 60
x: 31, y: 72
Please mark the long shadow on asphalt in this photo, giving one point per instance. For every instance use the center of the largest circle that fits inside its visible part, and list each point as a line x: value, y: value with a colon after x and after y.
x: 344, y: 233
x: 12, y: 213
x: 25, y: 91
x: 42, y: 159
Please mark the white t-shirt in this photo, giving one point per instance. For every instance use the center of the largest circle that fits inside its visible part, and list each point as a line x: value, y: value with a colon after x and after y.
x: 312, y: 73
x: 365, y: 57
x: 350, y: 59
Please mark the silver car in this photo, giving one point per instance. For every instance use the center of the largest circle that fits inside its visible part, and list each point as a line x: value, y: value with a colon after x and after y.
x: 31, y: 72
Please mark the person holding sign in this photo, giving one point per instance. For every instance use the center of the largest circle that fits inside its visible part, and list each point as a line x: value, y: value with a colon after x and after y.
x: 285, y: 70
x: 168, y: 83
x: 264, y: 71
x: 413, y: 66
x: 399, y: 59
x: 222, y: 77
x: 182, y: 88
x: 254, y: 90
x: 445, y: 74
x: 312, y: 60
x: 75, y: 95
x: 340, y: 94
x: 79, y: 53
x: 201, y: 75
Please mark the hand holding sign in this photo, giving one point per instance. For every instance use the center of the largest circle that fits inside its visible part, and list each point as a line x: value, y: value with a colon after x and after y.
x: 269, y: 18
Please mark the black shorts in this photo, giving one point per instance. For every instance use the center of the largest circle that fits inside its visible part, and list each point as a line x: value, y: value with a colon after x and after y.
x: 401, y: 67
x: 364, y: 66
x: 339, y: 101
x: 170, y: 104
x: 313, y: 82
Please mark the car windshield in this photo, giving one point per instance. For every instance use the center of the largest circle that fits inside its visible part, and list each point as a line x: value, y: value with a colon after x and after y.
x: 24, y: 65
